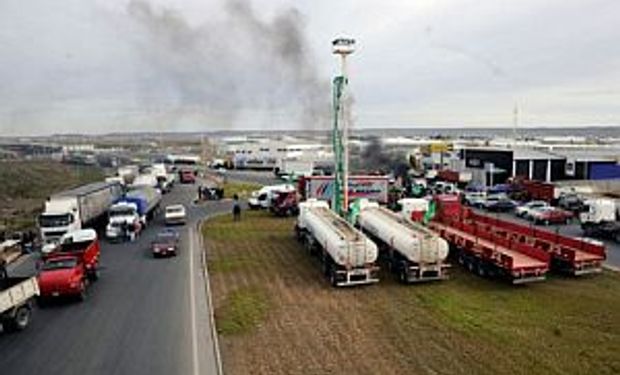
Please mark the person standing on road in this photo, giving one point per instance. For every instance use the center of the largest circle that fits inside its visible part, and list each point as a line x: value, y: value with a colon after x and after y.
x: 236, y: 209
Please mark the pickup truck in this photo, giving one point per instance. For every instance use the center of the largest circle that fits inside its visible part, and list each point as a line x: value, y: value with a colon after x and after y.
x: 17, y: 297
x: 68, y: 269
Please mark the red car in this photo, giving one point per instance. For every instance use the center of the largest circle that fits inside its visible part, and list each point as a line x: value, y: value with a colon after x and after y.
x: 550, y: 215
x: 63, y: 275
x: 166, y: 243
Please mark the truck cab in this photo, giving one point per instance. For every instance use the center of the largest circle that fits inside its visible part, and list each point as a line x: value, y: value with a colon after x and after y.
x: 285, y: 202
x: 83, y: 244
x: 123, y: 215
x: 59, y: 217
x: 63, y: 275
x: 262, y: 198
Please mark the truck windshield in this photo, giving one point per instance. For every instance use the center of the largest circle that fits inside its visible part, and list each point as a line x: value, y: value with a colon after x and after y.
x: 122, y: 212
x: 58, y: 264
x: 47, y: 220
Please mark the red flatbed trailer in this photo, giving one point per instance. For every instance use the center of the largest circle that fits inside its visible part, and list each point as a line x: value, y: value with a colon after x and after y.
x: 570, y: 255
x: 484, y: 252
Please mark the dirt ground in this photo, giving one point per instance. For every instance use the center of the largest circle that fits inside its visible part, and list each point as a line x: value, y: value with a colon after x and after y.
x: 276, y: 314
x: 26, y: 184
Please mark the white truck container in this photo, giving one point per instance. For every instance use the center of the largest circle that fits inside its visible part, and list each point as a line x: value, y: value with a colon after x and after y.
x: 347, y: 255
x: 295, y: 168
x: 601, y: 218
x: 17, y: 297
x: 77, y: 208
x: 149, y: 179
x: 412, y: 251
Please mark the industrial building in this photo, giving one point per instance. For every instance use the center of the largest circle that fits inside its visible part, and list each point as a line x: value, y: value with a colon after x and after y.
x: 496, y: 165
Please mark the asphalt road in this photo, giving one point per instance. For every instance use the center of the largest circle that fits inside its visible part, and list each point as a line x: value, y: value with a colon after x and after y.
x: 144, y: 315
x: 573, y: 230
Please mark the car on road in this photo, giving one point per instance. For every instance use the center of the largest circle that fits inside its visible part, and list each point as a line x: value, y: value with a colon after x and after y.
x: 498, y: 203
x: 571, y: 202
x: 550, y: 215
x: 475, y: 198
x: 525, y: 210
x: 175, y: 214
x: 63, y: 276
x: 166, y: 243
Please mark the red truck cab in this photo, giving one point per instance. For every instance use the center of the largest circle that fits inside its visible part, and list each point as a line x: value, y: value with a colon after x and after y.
x: 63, y: 275
x: 68, y: 269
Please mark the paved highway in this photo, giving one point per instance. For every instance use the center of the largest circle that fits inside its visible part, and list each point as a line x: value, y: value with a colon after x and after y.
x: 144, y: 316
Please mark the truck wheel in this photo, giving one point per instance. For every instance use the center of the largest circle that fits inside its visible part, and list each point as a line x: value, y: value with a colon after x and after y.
x: 333, y: 279
x: 94, y: 276
x: 402, y: 275
x: 19, y: 321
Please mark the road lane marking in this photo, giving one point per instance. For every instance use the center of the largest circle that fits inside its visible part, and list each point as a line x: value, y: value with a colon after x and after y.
x: 192, y: 292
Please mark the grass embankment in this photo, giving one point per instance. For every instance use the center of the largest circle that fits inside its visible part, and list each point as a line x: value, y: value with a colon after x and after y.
x: 242, y: 189
x: 277, y: 315
x: 26, y: 184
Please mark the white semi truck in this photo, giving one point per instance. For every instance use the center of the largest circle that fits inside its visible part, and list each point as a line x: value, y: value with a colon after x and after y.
x: 601, y: 218
x: 412, y: 251
x: 77, y: 208
x: 134, y: 211
x: 348, y: 256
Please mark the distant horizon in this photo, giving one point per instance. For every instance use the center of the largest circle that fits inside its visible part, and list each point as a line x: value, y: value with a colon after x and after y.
x: 424, y: 129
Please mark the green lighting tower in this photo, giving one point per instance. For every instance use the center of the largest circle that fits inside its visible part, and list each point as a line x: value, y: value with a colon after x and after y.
x: 340, y: 133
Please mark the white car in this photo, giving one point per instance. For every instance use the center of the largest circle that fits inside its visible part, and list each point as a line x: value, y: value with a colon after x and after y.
x: 475, y: 198
x: 175, y: 214
x: 526, y: 210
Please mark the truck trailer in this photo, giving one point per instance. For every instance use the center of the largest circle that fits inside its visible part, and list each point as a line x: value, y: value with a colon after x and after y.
x: 412, y: 251
x: 375, y: 188
x: 347, y: 255
x: 484, y: 252
x: 78, y: 208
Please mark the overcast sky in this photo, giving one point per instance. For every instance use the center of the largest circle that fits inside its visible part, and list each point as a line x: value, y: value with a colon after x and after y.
x: 112, y: 65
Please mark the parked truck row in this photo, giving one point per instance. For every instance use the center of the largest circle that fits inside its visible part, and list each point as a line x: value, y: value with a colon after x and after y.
x: 69, y: 258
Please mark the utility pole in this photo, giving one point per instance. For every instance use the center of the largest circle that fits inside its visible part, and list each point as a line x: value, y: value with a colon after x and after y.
x: 342, y: 47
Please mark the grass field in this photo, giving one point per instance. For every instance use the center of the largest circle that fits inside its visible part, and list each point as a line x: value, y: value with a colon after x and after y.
x: 26, y: 184
x: 242, y: 189
x: 277, y: 315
